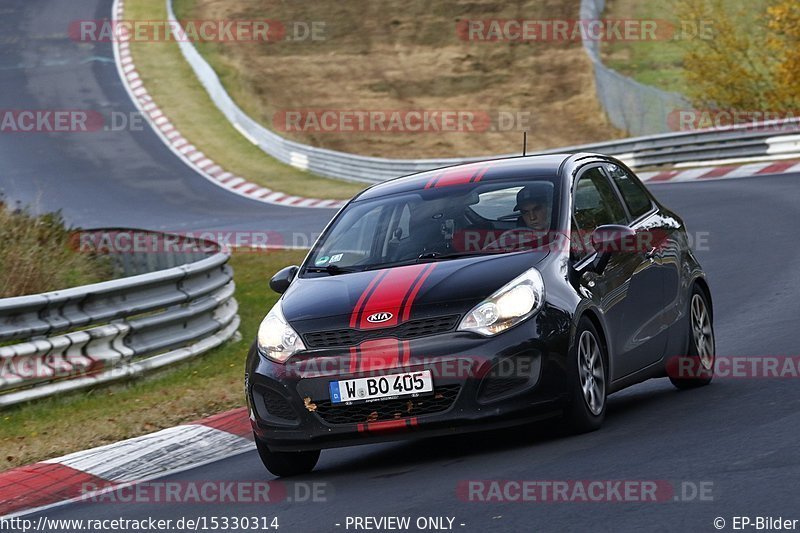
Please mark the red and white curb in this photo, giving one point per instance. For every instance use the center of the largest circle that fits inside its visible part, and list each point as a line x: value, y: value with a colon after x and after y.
x: 57, y: 481
x: 186, y: 151
x: 721, y: 172
x: 207, y: 168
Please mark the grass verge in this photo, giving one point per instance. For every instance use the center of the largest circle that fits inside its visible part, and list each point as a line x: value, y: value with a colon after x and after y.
x: 174, y: 87
x: 210, y: 384
x: 660, y: 63
x: 408, y: 55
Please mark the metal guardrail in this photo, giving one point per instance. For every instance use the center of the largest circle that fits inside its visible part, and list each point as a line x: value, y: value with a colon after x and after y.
x: 75, y: 338
x: 773, y: 140
x: 320, y: 161
x: 633, y: 107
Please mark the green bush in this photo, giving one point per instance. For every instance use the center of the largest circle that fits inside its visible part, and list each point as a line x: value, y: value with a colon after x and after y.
x: 36, y: 255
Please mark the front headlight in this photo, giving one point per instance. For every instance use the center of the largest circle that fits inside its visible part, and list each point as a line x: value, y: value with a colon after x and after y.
x: 514, y: 302
x: 276, y: 338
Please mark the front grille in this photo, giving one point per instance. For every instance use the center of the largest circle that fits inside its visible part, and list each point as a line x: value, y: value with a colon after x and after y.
x: 408, y: 330
x: 277, y: 405
x: 443, y: 397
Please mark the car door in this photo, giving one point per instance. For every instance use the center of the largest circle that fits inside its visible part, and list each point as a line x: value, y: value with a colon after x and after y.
x: 660, y: 238
x: 628, y: 291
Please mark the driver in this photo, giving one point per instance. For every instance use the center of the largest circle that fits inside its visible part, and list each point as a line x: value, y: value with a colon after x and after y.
x: 533, y: 205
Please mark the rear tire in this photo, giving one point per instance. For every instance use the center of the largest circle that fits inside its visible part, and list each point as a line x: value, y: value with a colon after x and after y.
x: 588, y: 378
x: 702, y: 345
x: 286, y: 464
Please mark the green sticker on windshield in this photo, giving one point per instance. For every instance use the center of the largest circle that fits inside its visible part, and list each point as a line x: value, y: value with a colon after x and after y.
x: 322, y: 260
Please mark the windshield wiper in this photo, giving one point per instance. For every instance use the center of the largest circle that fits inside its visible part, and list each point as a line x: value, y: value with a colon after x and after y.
x: 428, y: 256
x: 452, y: 255
x: 334, y: 269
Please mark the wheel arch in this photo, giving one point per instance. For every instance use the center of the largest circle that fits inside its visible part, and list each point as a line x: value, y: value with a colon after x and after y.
x: 593, y: 317
x: 701, y: 282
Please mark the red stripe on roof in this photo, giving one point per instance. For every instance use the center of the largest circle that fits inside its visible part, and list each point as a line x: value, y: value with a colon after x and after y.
x: 480, y: 175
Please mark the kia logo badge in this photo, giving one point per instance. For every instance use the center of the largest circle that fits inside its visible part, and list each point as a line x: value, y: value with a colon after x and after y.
x: 377, y: 318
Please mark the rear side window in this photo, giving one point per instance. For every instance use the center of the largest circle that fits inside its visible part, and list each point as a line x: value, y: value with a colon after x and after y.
x: 633, y: 192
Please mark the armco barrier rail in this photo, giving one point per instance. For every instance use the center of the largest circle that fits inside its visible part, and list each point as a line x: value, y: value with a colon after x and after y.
x: 774, y: 140
x: 633, y: 107
x: 75, y: 338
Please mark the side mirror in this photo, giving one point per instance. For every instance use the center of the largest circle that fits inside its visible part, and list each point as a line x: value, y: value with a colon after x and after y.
x: 611, y: 239
x: 281, y: 281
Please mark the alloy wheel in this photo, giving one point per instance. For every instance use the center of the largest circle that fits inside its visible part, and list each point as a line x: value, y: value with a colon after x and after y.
x: 590, y: 370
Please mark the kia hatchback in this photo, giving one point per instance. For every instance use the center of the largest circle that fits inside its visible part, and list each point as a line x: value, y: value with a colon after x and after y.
x: 474, y: 297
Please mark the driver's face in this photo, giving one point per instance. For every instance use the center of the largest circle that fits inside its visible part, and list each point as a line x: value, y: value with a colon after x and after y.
x: 534, y: 215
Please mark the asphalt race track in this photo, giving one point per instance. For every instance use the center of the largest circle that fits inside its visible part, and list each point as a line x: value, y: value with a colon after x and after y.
x: 124, y: 178
x: 738, y: 434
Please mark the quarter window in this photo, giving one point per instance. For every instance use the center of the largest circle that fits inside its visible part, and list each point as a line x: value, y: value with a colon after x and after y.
x: 636, y: 198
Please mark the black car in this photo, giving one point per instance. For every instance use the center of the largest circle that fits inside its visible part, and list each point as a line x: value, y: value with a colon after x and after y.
x: 473, y: 297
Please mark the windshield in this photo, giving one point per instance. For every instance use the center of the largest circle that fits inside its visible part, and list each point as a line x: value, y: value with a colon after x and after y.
x: 438, y: 223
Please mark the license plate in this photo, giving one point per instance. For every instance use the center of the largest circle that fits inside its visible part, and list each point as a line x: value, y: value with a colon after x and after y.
x: 380, y: 387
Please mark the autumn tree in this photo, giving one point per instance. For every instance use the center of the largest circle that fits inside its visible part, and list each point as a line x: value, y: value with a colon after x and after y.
x: 784, y: 42
x: 751, y: 60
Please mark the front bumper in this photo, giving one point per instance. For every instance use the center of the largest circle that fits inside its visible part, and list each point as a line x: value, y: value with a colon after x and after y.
x: 479, y: 383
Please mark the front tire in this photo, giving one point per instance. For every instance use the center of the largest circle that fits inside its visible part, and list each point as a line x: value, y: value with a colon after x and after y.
x: 702, y: 346
x: 286, y: 464
x: 588, y: 378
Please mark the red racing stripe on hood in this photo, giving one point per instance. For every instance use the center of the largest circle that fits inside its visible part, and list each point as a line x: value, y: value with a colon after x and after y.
x: 356, y: 314
x: 379, y: 354
x: 412, y: 293
x: 394, y: 293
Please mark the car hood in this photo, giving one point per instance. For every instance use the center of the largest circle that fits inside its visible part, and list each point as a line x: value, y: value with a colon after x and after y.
x: 386, y: 298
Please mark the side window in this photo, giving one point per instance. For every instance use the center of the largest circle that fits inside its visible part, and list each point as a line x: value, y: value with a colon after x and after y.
x: 594, y: 204
x: 637, y: 199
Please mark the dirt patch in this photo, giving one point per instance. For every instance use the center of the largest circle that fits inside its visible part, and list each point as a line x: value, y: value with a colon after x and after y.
x: 395, y: 55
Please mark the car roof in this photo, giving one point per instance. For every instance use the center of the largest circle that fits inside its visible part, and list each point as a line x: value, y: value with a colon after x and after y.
x: 494, y: 169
